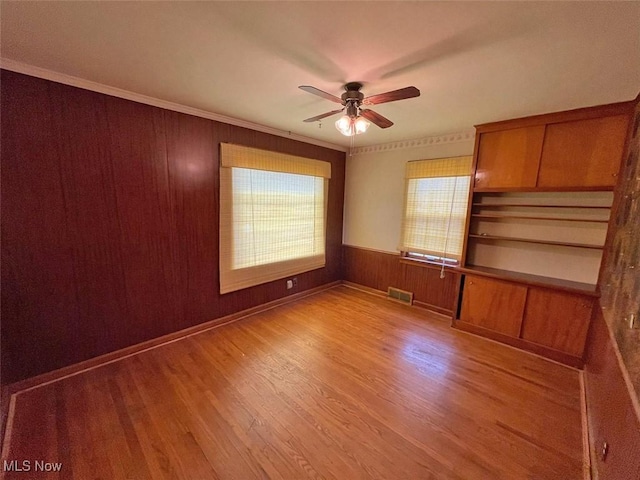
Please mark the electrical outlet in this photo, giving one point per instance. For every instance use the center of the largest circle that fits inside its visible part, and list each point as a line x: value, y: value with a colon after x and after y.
x: 289, y: 284
x: 604, y: 451
x: 295, y: 281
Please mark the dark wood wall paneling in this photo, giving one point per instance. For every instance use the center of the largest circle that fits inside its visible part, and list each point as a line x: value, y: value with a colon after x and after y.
x: 110, y: 223
x: 612, y: 417
x: 379, y: 270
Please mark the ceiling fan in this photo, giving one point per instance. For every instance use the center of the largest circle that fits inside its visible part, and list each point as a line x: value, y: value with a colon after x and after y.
x: 352, y: 100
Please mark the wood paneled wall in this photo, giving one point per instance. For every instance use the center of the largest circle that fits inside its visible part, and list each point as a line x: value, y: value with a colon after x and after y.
x: 613, y: 350
x: 110, y: 223
x: 379, y: 270
x: 612, y: 417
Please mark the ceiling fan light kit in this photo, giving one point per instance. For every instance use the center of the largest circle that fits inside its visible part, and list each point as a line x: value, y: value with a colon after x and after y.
x: 356, y: 119
x: 352, y: 123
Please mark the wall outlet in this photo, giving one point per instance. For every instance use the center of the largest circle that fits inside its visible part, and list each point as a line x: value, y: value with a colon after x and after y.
x: 604, y: 451
x: 289, y: 284
x: 295, y: 281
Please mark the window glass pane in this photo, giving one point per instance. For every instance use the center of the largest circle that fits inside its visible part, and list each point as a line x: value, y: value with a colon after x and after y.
x: 276, y: 217
x: 272, y: 215
x: 436, y: 208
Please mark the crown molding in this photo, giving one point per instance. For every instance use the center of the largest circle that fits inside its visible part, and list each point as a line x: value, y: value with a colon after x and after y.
x: 19, y: 67
x: 465, y: 136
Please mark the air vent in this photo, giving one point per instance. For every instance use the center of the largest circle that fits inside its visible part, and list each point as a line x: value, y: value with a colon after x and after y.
x: 400, y: 295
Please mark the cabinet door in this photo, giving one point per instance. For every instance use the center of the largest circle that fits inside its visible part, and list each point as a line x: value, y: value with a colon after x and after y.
x: 584, y: 153
x: 509, y: 158
x: 493, y: 304
x: 558, y: 320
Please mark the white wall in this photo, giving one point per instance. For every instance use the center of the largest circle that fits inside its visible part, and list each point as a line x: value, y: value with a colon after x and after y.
x: 374, y: 189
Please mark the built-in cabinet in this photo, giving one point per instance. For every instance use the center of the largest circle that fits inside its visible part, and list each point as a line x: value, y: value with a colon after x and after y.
x: 509, y: 158
x: 555, y: 153
x: 538, y: 219
x: 556, y: 319
x: 493, y: 304
x: 583, y: 153
x: 537, y: 318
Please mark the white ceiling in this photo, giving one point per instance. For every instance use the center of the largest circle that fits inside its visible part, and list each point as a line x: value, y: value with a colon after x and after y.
x: 474, y: 62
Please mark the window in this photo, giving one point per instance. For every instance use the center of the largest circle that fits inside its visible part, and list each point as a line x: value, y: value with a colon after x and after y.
x: 435, y: 209
x: 272, y: 216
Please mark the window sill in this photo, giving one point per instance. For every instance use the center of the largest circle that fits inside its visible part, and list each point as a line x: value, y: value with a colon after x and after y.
x: 426, y: 263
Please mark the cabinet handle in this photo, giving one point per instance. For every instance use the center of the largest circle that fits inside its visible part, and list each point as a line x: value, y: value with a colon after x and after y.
x: 614, y: 174
x: 470, y: 283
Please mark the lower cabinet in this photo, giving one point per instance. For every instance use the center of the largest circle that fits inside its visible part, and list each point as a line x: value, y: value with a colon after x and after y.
x: 558, y: 320
x: 550, y: 322
x: 493, y: 304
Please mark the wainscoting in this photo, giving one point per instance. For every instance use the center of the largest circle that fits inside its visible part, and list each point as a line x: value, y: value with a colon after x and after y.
x: 612, y: 416
x: 380, y: 270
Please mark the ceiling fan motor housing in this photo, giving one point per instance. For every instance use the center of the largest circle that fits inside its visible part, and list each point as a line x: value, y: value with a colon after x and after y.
x: 352, y: 93
x: 352, y: 98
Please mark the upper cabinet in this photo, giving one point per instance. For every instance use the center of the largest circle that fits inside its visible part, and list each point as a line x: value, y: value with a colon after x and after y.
x: 575, y: 150
x: 509, y: 158
x: 583, y: 153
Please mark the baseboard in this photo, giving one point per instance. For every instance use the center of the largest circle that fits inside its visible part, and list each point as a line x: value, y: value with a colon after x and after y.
x: 77, y: 368
x: 540, y: 350
x: 586, y: 442
x: 6, y: 437
x: 379, y: 293
x: 5, y: 400
x: 364, y: 288
x: 10, y: 392
x: 434, y: 308
x: 513, y: 347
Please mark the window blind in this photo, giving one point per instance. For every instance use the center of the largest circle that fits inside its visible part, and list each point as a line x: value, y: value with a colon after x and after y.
x: 272, y: 215
x: 435, y: 206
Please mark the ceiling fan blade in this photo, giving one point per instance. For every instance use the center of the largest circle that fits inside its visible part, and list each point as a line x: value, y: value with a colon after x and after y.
x: 406, y: 92
x: 320, y: 93
x: 323, y: 115
x: 376, y: 118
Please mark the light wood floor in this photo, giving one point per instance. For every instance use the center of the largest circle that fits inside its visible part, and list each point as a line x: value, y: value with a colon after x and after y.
x: 340, y: 385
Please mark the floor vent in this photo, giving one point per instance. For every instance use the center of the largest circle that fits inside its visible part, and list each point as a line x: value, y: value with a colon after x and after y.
x: 400, y: 295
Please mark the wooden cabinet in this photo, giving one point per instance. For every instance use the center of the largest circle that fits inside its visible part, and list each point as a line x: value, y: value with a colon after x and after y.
x: 584, y: 153
x: 580, y: 150
x: 509, y: 158
x: 544, y: 320
x: 558, y: 320
x: 537, y: 226
x: 493, y: 304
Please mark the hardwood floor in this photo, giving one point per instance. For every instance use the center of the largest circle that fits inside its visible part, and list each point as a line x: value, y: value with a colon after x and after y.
x: 339, y: 385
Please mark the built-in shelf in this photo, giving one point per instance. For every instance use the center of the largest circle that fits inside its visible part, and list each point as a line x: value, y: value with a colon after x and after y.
x: 547, y: 234
x: 535, y: 280
x: 500, y: 205
x: 527, y: 217
x: 531, y: 240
